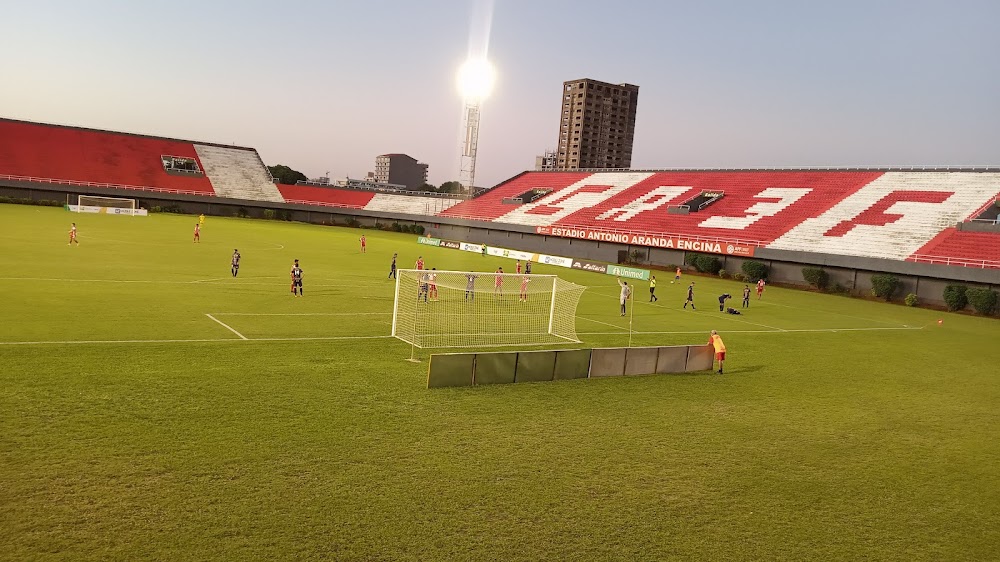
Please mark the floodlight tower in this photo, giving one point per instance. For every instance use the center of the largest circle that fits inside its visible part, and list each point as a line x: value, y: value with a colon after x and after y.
x: 475, y: 80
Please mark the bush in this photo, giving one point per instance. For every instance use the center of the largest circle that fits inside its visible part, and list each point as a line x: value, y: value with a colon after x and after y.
x: 955, y: 297
x: 396, y: 227
x: 636, y: 256
x: 704, y: 263
x: 722, y: 274
x: 983, y: 300
x: 269, y: 214
x: 691, y: 258
x: 884, y: 285
x: 840, y: 289
x: 26, y: 201
x: 418, y: 229
x: 242, y: 212
x: 353, y: 222
x: 911, y: 300
x: 754, y: 270
x: 816, y: 276
x: 739, y: 277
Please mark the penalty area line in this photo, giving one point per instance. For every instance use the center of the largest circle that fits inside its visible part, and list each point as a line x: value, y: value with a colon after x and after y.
x: 203, y: 340
x: 226, y: 326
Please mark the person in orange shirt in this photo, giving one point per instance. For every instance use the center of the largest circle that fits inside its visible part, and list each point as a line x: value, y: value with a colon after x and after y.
x: 720, y: 348
x: 677, y: 275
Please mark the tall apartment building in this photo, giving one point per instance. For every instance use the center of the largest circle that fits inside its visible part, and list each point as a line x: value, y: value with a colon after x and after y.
x: 400, y: 169
x: 597, y: 125
x: 546, y: 162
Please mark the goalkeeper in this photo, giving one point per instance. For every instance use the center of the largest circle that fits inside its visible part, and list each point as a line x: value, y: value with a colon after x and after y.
x: 625, y: 294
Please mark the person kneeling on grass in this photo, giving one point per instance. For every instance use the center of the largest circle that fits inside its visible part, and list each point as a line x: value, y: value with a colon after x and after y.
x: 720, y: 348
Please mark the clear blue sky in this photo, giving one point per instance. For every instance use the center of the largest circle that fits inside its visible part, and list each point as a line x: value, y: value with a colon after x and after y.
x: 329, y: 85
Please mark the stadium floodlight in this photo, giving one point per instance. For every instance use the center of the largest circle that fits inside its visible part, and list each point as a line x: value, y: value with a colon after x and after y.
x: 475, y: 82
x: 442, y: 309
x: 475, y: 79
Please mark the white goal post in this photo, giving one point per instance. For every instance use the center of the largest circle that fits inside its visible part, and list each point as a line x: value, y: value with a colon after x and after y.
x: 440, y: 309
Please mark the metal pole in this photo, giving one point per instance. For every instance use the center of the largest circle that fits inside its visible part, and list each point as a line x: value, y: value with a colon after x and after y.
x: 631, y: 314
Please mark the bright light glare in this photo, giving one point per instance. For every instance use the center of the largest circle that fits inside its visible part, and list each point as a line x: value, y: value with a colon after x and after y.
x: 475, y: 79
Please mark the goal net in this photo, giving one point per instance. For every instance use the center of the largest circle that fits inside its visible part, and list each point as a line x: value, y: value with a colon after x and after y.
x: 109, y: 202
x: 480, y: 309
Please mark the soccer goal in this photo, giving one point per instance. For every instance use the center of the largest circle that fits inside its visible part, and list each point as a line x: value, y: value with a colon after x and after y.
x: 440, y: 309
x: 126, y: 205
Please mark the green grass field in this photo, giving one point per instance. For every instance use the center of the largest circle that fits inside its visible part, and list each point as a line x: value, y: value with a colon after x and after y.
x: 133, y: 426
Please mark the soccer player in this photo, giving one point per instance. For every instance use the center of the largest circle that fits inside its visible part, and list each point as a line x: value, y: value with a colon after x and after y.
x: 484, y: 250
x: 527, y: 267
x: 625, y: 294
x: 470, y: 286
x: 296, y: 275
x: 498, y: 287
x: 197, y: 232
x: 677, y: 274
x: 746, y: 296
x: 432, y: 281
x: 392, y: 268
x: 201, y: 218
x: 423, y: 287
x: 518, y: 267
x: 420, y: 263
x: 722, y: 301
x: 652, y: 289
x: 363, y: 242
x: 236, y: 262
x: 760, y: 288
x: 524, y: 288
x: 720, y: 349
x: 690, y: 297
x: 72, y: 235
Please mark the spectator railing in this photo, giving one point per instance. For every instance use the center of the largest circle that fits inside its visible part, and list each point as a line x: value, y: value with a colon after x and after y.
x: 389, y: 190
x: 963, y: 262
x: 34, y: 179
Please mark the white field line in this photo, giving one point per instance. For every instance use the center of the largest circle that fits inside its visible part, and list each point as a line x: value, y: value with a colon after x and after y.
x: 204, y: 340
x: 227, y: 326
x: 302, y: 313
x: 602, y: 322
x: 803, y: 330
x: 767, y: 303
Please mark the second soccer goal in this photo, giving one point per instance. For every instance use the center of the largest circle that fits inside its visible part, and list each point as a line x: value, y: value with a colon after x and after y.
x: 440, y: 309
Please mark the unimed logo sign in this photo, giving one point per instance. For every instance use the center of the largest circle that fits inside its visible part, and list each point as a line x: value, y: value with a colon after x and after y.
x: 628, y: 272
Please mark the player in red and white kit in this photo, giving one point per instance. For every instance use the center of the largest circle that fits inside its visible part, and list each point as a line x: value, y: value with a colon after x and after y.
x: 420, y: 263
x: 197, y: 232
x: 760, y: 289
x: 524, y: 288
x: 518, y: 269
x: 432, y: 282
x: 498, y: 282
x: 363, y: 243
x: 72, y: 235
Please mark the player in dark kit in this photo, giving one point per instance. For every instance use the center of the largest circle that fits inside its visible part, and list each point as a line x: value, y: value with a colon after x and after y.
x: 722, y: 301
x: 690, y: 297
x: 392, y: 268
x: 296, y: 274
x: 236, y: 262
x: 746, y: 296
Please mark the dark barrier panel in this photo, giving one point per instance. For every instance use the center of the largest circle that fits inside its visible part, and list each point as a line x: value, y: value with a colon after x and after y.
x: 495, y: 368
x: 700, y: 358
x: 640, y: 360
x: 672, y: 359
x: 572, y: 364
x: 535, y: 366
x: 453, y: 369
x: 607, y: 362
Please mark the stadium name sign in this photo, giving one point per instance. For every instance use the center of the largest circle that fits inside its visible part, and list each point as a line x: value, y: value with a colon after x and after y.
x: 669, y: 242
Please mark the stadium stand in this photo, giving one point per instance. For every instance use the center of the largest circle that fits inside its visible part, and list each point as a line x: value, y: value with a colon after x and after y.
x: 955, y: 247
x: 867, y: 213
x: 325, y: 196
x: 237, y: 173
x: 44, y: 153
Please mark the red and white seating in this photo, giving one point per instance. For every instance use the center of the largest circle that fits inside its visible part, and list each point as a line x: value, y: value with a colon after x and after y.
x: 57, y: 154
x: 891, y: 215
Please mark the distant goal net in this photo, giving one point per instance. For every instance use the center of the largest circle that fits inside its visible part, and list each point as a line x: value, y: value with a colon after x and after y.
x: 109, y: 205
x: 440, y: 309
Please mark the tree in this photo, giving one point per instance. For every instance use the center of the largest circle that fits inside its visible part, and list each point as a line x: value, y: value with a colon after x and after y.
x: 286, y: 175
x: 450, y: 187
x: 427, y: 187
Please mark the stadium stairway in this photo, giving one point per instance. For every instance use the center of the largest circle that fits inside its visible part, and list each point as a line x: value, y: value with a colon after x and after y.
x: 410, y: 204
x: 237, y: 173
